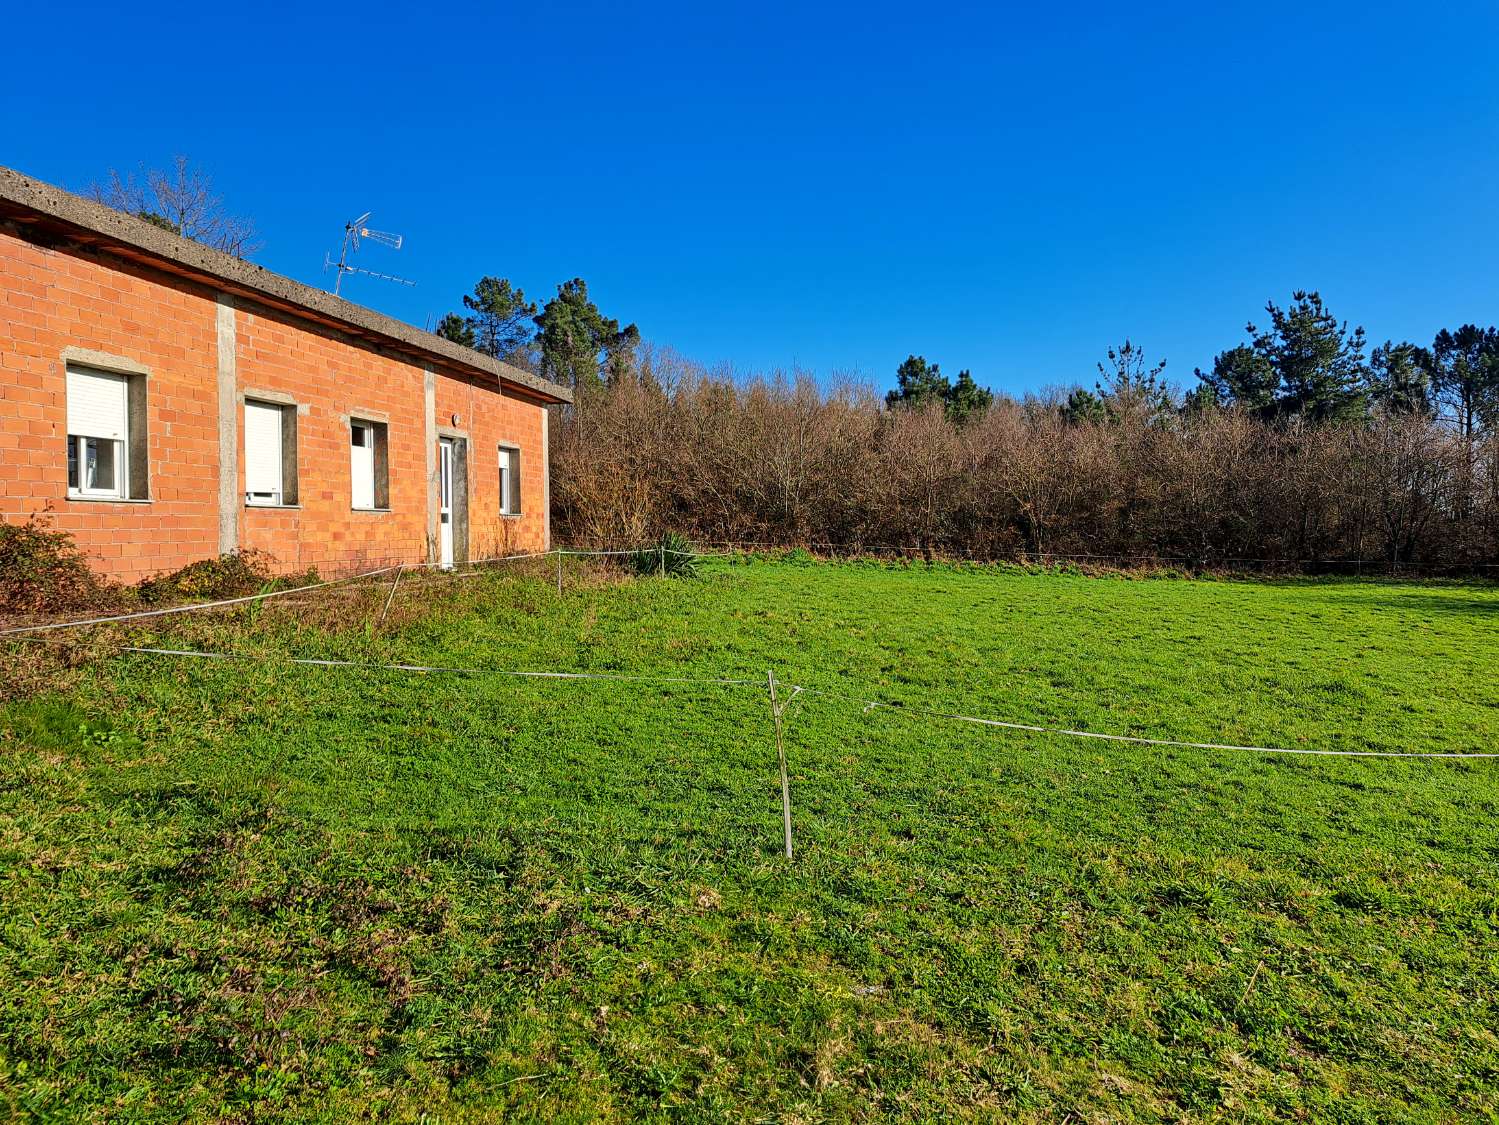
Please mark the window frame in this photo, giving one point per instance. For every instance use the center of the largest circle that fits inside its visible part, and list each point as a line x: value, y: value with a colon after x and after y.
x: 131, y: 449
x: 277, y: 497
x: 77, y: 466
x: 378, y: 439
x: 510, y: 465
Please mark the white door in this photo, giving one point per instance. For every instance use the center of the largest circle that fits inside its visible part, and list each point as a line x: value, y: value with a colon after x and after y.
x: 445, y: 502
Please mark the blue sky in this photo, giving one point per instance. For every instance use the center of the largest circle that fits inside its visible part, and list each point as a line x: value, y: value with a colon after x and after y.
x: 1009, y: 189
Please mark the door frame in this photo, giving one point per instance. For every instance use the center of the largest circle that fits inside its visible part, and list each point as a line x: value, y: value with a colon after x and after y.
x: 445, y: 503
x: 452, y: 449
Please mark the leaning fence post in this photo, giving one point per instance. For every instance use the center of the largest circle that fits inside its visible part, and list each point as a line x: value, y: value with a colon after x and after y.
x: 775, y: 712
x: 390, y: 597
x: 663, y: 560
x: 559, y: 571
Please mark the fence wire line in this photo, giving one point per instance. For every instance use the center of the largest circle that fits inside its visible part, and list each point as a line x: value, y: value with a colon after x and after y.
x: 940, y: 551
x: 799, y: 689
x: 192, y: 605
x: 366, y: 666
x: 866, y: 703
x: 1140, y: 740
x: 19, y: 630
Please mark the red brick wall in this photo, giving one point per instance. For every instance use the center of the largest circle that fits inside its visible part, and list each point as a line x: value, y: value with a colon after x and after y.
x: 52, y: 299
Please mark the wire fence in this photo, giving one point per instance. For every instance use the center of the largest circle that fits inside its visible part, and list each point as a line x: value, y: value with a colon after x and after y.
x: 937, y: 549
x: 782, y: 694
x: 781, y: 703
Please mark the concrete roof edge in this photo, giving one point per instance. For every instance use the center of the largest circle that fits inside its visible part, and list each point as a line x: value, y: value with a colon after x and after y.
x: 18, y: 191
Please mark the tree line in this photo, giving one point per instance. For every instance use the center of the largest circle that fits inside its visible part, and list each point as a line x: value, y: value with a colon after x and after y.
x: 567, y: 340
x: 1295, y: 448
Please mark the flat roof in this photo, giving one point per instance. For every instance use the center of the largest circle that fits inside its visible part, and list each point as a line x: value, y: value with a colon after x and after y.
x: 34, y: 204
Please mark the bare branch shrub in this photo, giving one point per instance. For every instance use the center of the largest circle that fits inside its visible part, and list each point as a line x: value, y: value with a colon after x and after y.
x: 778, y: 460
x: 179, y: 199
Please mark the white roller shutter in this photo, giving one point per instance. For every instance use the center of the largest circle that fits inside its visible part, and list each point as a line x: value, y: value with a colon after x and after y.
x: 96, y: 405
x: 262, y: 448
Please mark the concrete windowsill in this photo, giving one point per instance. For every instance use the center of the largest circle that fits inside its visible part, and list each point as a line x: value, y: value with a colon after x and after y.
x: 274, y: 507
x: 106, y: 499
x: 372, y: 511
x: 510, y: 515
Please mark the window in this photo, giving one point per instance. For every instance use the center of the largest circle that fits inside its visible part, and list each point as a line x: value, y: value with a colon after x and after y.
x: 369, y: 473
x: 509, y: 480
x: 100, y: 406
x: 267, y: 480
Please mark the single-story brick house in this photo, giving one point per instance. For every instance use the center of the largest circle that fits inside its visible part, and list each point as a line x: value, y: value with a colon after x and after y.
x: 168, y: 403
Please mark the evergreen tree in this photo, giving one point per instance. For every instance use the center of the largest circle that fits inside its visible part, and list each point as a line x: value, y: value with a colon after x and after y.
x: 966, y: 399
x: 1306, y: 365
x: 1128, y: 387
x: 1199, y: 400
x: 620, y: 363
x: 1465, y: 376
x: 1084, y: 408
x: 573, y: 336
x: 1400, y: 379
x: 1243, y: 377
x: 500, y: 317
x: 456, y: 328
x: 918, y: 383
x: 1323, y: 375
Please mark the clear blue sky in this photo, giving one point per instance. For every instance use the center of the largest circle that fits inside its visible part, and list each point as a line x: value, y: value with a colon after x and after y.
x: 834, y: 186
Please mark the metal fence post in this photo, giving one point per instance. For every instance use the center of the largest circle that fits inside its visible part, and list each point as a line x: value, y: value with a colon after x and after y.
x: 390, y: 597
x: 775, y: 712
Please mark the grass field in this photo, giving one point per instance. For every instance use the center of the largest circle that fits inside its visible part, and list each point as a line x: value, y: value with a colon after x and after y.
x: 256, y: 890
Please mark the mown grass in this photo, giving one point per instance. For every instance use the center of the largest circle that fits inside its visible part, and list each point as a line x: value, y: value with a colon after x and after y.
x: 256, y: 890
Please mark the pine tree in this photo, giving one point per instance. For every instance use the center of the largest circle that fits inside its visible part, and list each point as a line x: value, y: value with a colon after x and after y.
x: 918, y: 383
x: 1084, y: 408
x: 1465, y: 376
x: 500, y: 317
x: 966, y: 399
x: 1306, y: 365
x: 1400, y: 379
x: 456, y: 328
x: 1129, y: 388
x: 573, y: 337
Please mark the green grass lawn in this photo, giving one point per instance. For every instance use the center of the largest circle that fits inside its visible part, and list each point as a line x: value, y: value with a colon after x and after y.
x: 256, y: 890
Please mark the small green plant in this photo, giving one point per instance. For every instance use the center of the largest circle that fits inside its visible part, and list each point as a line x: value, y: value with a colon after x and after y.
x: 672, y: 556
x: 43, y: 570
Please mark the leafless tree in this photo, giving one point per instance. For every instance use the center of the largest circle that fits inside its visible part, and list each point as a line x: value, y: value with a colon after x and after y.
x: 180, y: 199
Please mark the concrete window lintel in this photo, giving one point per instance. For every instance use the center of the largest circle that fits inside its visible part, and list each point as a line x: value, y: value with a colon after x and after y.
x: 278, y: 398
x: 104, y: 361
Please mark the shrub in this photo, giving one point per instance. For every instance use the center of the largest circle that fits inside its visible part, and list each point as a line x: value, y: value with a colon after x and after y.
x: 672, y: 556
x: 228, y: 576
x: 43, y: 570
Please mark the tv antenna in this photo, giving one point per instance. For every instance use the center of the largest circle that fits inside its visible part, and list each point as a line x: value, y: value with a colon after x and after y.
x: 354, y: 231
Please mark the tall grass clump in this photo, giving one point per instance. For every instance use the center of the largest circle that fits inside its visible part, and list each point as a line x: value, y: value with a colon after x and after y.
x: 672, y: 556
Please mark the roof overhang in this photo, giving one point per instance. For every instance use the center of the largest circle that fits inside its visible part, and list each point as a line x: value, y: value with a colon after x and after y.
x: 56, y: 215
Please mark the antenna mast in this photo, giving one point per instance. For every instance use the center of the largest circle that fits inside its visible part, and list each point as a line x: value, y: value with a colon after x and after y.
x: 354, y: 230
